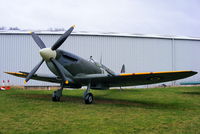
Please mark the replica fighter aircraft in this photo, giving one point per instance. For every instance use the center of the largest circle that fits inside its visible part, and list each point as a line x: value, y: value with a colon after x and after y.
x: 72, y: 71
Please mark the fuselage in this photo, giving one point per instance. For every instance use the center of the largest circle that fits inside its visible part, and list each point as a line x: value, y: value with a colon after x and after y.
x: 74, y: 64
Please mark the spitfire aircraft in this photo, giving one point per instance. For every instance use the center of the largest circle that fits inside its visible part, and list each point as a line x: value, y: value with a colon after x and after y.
x: 72, y: 71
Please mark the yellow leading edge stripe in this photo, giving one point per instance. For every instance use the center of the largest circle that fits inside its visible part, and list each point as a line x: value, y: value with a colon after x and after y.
x: 14, y: 73
x: 129, y: 74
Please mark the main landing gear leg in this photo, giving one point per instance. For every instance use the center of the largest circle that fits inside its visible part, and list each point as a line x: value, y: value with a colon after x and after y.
x: 88, y: 97
x: 57, y: 94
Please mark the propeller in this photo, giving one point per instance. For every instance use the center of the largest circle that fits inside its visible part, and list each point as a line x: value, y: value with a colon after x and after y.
x: 49, y: 54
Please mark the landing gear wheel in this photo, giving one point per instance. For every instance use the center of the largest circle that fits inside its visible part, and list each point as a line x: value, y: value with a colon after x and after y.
x: 55, y: 98
x: 88, y: 98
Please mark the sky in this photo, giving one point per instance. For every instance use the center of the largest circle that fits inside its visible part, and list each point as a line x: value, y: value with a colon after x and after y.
x: 158, y: 17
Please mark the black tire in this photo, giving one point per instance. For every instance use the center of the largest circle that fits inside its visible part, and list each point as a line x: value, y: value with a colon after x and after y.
x: 88, y: 98
x: 55, y: 98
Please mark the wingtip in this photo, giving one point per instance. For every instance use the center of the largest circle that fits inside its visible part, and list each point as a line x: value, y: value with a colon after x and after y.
x: 194, y: 72
x: 12, y: 73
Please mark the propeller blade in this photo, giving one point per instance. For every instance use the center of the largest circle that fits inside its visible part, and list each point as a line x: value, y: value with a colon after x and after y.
x: 59, y: 68
x: 33, y: 71
x: 60, y: 41
x: 37, y: 39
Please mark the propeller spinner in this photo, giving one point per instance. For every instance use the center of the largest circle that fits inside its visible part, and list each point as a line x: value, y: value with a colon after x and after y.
x: 49, y: 54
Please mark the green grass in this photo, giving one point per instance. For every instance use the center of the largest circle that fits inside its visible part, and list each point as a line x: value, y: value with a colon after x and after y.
x: 148, y: 111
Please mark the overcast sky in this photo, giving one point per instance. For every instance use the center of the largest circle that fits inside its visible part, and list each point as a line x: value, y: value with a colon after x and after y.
x: 165, y: 17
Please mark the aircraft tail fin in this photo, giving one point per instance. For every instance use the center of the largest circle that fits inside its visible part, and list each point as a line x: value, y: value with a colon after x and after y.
x: 123, y: 69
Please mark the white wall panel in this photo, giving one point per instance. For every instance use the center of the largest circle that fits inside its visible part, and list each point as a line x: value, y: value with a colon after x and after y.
x: 187, y: 57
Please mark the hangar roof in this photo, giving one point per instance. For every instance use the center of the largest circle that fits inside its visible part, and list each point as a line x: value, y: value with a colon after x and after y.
x: 108, y: 34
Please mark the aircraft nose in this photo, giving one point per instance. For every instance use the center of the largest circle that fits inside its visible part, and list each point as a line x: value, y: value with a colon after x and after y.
x: 47, y: 53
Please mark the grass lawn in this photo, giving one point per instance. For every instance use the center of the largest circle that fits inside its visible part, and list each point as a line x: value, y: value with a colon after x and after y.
x: 173, y: 110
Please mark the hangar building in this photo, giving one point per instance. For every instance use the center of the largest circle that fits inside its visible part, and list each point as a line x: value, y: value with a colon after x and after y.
x: 139, y: 53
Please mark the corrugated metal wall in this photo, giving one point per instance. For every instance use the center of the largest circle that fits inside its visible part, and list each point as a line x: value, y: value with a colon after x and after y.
x: 139, y: 54
x: 187, y: 56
